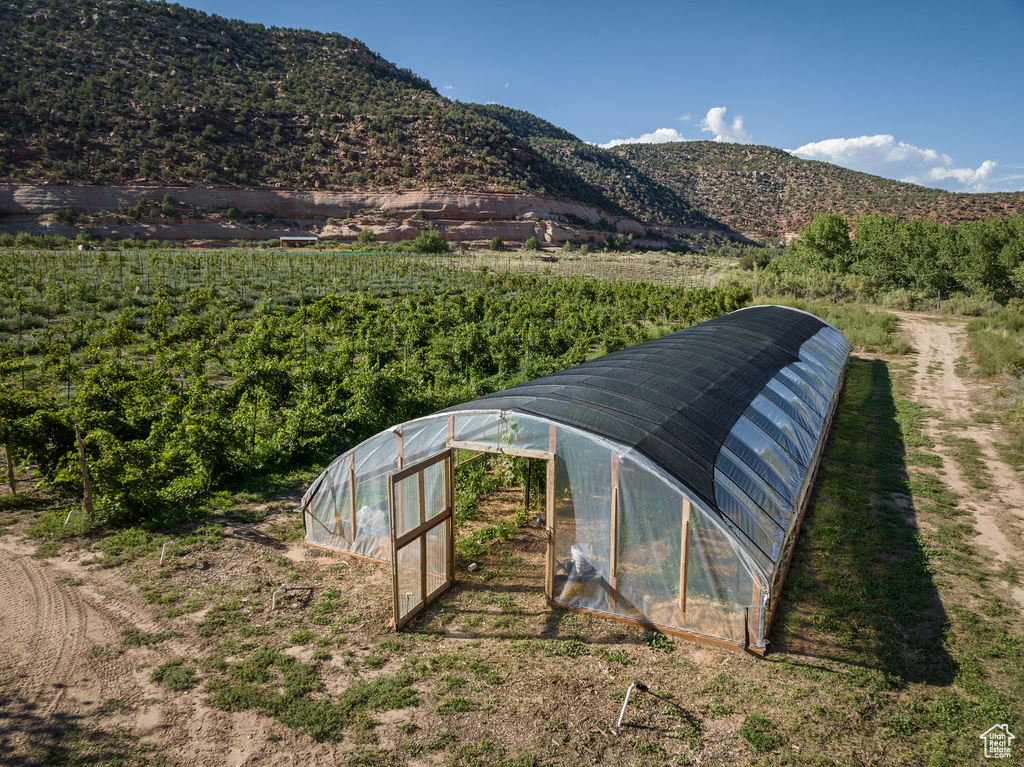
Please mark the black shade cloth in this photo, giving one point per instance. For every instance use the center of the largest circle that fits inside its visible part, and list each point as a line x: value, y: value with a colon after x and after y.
x: 674, y: 399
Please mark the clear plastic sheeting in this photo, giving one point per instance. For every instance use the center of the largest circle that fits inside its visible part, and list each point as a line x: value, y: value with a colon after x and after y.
x: 719, y: 588
x: 781, y: 427
x: 633, y: 537
x: 650, y: 546
x: 583, y: 515
x: 331, y: 508
x: 422, y: 439
x: 503, y: 431
x: 762, y: 531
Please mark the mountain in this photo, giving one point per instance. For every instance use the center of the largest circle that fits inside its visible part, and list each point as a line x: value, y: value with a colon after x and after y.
x: 767, y: 192
x: 146, y: 99
x: 134, y: 92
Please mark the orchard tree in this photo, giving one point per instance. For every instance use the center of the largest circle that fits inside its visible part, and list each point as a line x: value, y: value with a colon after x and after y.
x: 825, y: 244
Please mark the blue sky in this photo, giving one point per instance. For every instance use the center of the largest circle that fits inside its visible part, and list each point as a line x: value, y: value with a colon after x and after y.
x: 923, y: 91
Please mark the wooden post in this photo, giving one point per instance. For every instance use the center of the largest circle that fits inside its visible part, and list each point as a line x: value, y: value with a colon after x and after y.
x: 756, y: 596
x: 450, y: 502
x: 613, y: 550
x: 526, y: 492
x: 394, y: 556
x: 684, y: 558
x: 352, y: 493
x: 549, y: 585
x: 86, y: 484
x: 423, y: 538
x: 401, y: 460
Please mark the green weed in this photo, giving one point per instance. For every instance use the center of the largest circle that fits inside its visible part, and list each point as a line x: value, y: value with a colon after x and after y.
x: 760, y: 733
x: 174, y: 674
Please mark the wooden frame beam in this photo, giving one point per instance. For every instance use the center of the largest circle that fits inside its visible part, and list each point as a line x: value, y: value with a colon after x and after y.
x: 481, y: 447
x: 681, y: 633
x: 352, y: 492
x: 613, y: 543
x: 549, y: 504
x: 684, y: 558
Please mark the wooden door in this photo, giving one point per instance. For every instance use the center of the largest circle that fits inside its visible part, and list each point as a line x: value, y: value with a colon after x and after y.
x: 422, y: 534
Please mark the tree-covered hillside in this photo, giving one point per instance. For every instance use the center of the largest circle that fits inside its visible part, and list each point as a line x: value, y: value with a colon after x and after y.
x: 119, y: 91
x: 115, y: 92
x: 768, y: 191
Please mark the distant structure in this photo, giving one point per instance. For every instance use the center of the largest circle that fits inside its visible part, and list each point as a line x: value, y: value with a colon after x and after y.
x: 299, y: 241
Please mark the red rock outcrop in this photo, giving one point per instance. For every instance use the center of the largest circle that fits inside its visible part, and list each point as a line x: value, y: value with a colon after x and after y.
x: 459, y: 215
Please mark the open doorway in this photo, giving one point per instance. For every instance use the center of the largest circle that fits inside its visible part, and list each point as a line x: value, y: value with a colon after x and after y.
x: 460, y: 506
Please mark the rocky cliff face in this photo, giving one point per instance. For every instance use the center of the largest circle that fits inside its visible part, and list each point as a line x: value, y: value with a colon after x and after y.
x: 262, y: 213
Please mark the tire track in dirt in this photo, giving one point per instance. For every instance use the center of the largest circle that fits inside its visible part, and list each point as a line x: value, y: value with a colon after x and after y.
x: 46, y: 675
x: 61, y: 658
x: 939, y: 343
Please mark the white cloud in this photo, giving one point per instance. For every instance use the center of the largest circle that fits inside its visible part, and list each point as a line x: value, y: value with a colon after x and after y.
x: 447, y: 87
x: 884, y: 156
x: 685, y: 118
x: 732, y: 132
x: 507, y: 84
x: 660, y: 136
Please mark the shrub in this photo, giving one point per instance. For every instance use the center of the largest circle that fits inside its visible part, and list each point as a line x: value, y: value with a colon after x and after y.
x: 757, y: 259
x: 431, y: 241
x: 496, y: 244
x: 366, y: 237
x: 66, y: 216
x: 531, y: 243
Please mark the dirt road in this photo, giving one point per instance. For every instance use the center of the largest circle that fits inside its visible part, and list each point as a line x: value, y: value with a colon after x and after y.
x: 939, y: 344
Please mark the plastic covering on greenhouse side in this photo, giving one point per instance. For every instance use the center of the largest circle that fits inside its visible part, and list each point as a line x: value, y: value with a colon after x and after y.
x: 681, y: 469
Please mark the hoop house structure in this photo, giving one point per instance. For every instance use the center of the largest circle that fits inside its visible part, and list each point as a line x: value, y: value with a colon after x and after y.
x: 678, y: 471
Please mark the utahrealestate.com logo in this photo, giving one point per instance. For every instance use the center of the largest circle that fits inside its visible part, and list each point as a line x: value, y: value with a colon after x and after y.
x: 998, y: 741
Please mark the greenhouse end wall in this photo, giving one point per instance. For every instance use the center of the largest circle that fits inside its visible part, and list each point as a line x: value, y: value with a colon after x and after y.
x: 609, y: 501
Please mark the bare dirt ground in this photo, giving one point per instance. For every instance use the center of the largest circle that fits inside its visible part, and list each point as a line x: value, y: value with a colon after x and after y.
x: 63, y: 666
x: 940, y: 344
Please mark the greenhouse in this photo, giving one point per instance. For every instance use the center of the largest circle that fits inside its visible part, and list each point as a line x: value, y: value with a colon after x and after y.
x: 676, y: 471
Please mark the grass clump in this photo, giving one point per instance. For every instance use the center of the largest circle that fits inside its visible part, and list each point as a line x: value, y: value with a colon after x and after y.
x: 648, y: 748
x: 280, y: 686
x: 480, y: 541
x: 174, y: 674
x: 455, y: 705
x: 619, y: 656
x: 760, y: 733
x: 136, y: 638
x: 966, y: 452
